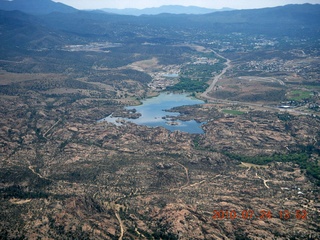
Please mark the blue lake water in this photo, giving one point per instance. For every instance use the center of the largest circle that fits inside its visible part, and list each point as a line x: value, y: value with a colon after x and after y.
x: 152, y: 112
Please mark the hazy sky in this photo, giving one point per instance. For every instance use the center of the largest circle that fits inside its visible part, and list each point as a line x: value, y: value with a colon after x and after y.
x: 216, y: 4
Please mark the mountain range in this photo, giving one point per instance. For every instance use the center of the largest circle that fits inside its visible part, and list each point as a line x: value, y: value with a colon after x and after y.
x: 47, y: 6
x: 59, y: 24
x: 288, y: 20
x: 35, y: 6
x: 172, y: 9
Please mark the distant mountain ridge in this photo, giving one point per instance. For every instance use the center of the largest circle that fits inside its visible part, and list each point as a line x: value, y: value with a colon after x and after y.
x: 172, y: 9
x: 24, y: 31
x: 35, y: 6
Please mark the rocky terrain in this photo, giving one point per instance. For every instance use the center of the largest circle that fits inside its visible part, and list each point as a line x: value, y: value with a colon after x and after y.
x: 65, y: 175
x: 253, y: 174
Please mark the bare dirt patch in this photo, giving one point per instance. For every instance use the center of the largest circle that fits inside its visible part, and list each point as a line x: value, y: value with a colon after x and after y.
x: 9, y: 77
x: 250, y: 89
x: 146, y: 65
x: 19, y: 201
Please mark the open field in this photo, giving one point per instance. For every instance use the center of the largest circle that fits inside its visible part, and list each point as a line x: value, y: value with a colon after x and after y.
x: 299, y: 95
x: 232, y: 112
x: 244, y: 89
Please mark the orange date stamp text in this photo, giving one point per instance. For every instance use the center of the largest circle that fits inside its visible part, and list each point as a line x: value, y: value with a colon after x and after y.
x: 249, y: 214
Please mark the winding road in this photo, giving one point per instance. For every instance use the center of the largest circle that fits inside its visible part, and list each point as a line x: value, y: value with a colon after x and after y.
x: 121, y: 224
x: 264, y: 181
x: 216, y: 78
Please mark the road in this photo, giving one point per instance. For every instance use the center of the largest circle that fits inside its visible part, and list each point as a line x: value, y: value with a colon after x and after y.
x: 121, y: 224
x: 264, y: 181
x: 216, y: 78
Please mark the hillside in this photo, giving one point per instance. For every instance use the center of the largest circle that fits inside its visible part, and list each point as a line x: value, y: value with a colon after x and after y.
x: 35, y: 6
x: 57, y: 28
x: 279, y: 21
x: 21, y: 31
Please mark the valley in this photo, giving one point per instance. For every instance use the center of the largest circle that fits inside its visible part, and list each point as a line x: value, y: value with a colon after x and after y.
x: 252, y: 174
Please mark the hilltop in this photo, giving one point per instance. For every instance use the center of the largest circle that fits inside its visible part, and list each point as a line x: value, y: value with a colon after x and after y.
x: 172, y: 9
x: 35, y: 6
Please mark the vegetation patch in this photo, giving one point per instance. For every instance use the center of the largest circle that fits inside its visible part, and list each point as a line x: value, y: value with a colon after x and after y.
x: 302, y: 159
x: 299, y: 95
x: 186, y: 84
x: 232, y: 112
x: 194, y: 77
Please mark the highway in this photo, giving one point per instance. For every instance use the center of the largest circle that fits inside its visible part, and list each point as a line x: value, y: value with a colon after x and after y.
x: 216, y: 78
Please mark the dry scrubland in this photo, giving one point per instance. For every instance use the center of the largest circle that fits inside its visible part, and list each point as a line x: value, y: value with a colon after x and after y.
x: 64, y: 175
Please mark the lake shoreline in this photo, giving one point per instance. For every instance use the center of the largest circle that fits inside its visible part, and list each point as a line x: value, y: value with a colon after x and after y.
x: 155, y: 112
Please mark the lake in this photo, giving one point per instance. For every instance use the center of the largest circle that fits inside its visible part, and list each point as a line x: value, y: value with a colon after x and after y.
x: 153, y: 113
